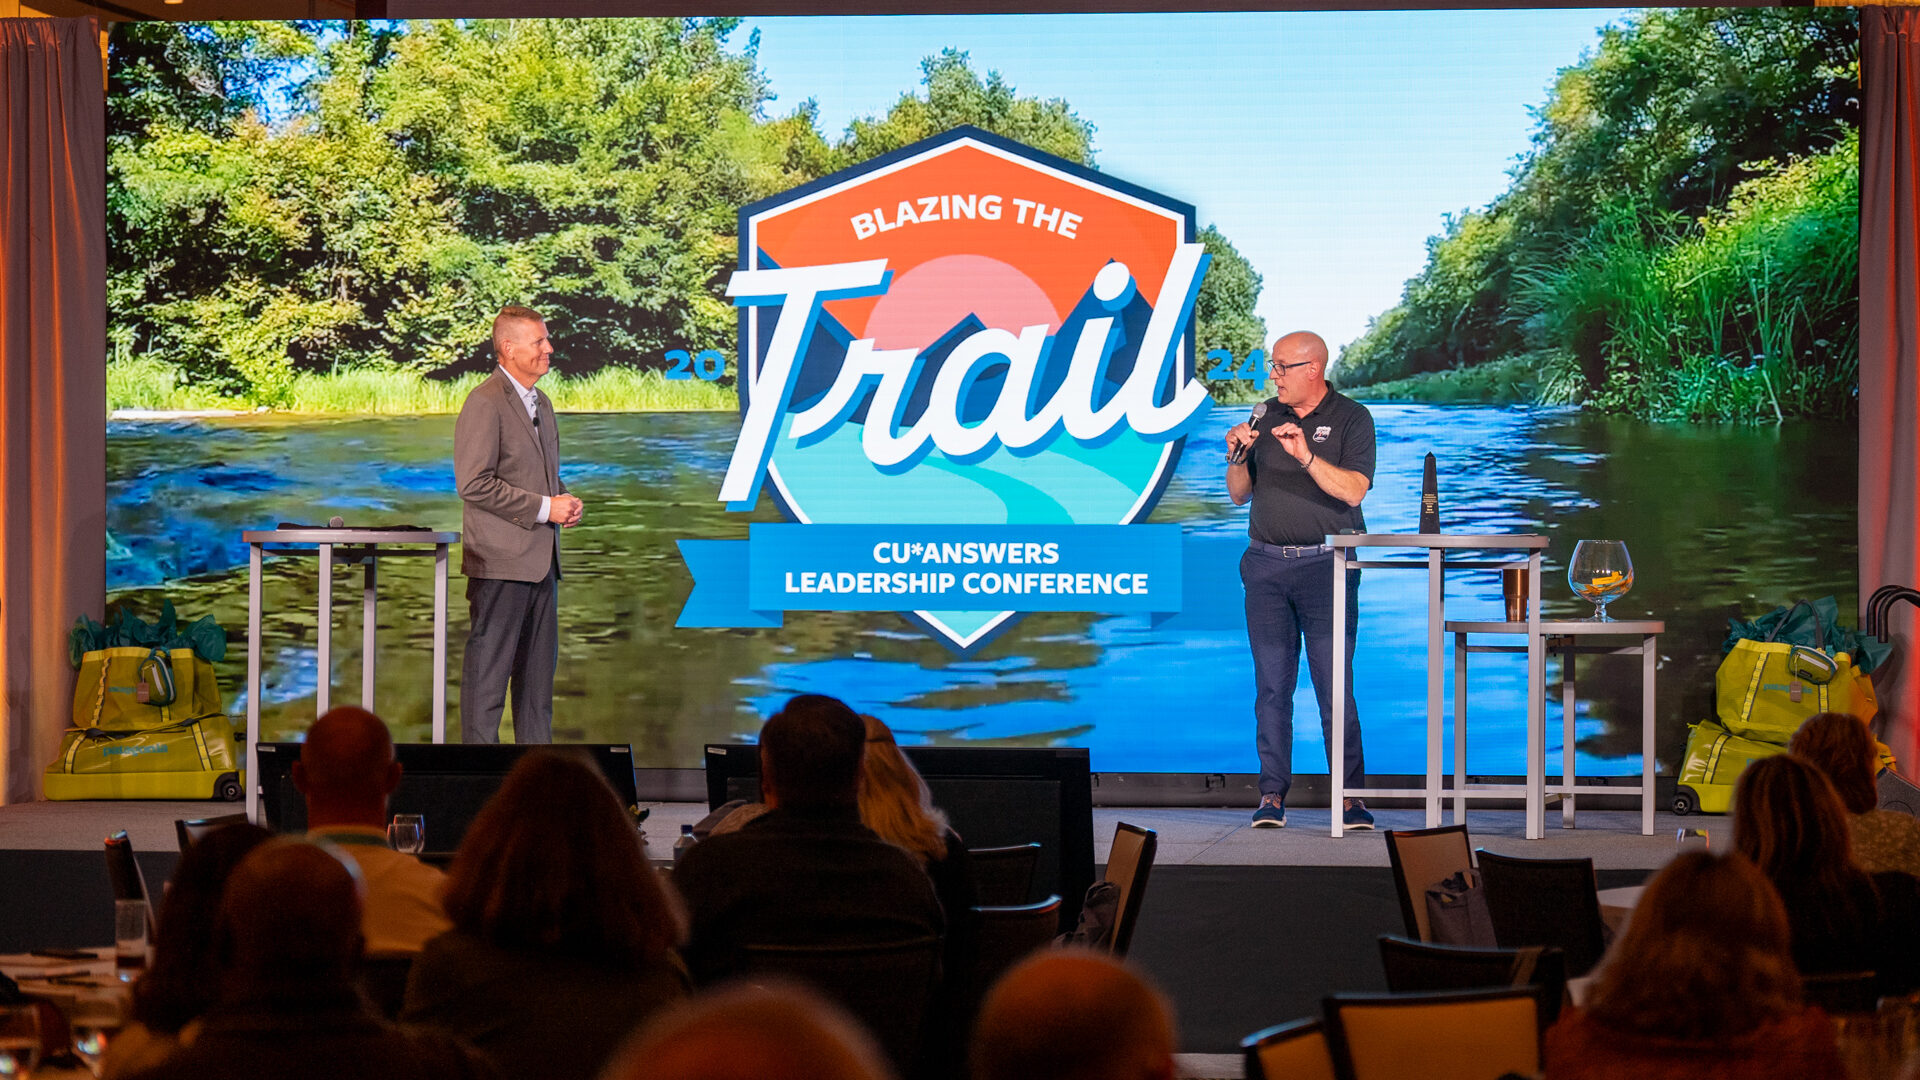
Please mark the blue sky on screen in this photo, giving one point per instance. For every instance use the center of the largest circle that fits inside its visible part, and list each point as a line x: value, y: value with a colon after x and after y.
x: 1327, y: 146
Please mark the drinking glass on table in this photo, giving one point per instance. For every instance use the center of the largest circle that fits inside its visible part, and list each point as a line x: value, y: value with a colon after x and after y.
x: 1600, y: 573
x: 129, y: 939
x: 19, y: 1041
x: 408, y: 833
x: 94, y: 1019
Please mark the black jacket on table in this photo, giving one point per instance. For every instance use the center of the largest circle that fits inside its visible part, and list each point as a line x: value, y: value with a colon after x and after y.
x: 799, y: 877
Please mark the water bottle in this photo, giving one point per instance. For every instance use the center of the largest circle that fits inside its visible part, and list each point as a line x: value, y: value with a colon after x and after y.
x: 682, y: 845
x: 1429, y: 499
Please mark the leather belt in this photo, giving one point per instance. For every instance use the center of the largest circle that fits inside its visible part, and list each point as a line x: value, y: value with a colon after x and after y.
x: 1291, y: 551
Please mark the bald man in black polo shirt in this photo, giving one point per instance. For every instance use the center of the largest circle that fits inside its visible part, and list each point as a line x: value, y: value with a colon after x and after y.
x: 1306, y: 465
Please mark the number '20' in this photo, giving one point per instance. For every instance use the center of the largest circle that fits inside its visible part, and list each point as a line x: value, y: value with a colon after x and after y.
x: 706, y: 367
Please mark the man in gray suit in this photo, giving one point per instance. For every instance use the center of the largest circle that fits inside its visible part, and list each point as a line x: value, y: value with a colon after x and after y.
x: 506, y: 460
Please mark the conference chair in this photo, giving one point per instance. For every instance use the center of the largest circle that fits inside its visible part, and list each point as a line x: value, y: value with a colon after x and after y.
x: 1422, y: 858
x: 1128, y: 863
x: 1842, y: 992
x: 1453, y: 1035
x: 1545, y: 902
x: 1422, y: 967
x: 886, y: 986
x: 1293, y: 1051
x: 1003, y: 876
x: 189, y: 830
x: 1008, y: 934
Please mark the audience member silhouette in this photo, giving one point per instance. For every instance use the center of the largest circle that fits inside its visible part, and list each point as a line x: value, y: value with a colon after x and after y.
x: 1073, y: 1014
x: 347, y: 772
x: 184, y: 980
x: 1702, y: 986
x: 771, y: 1031
x: 563, y: 933
x: 289, y: 926
x: 806, y: 872
x: 1842, y: 748
x: 1789, y: 823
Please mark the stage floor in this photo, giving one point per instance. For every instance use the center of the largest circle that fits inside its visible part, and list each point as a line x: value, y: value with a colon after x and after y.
x: 1189, y: 836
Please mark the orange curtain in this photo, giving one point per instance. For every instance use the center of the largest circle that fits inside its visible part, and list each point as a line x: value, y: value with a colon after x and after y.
x: 53, y: 394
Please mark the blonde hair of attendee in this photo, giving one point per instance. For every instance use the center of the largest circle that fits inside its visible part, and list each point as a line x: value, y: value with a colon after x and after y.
x: 894, y: 800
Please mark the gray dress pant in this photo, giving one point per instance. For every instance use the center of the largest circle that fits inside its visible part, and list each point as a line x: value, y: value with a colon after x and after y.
x: 514, y: 642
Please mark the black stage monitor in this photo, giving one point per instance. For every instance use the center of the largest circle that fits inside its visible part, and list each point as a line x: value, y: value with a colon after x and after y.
x: 993, y: 795
x: 447, y: 782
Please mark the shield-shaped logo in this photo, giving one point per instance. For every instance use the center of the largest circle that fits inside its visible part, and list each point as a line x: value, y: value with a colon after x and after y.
x: 990, y: 336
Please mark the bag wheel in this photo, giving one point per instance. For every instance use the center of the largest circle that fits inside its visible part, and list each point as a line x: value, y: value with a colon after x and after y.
x: 227, y: 788
x: 1684, y: 802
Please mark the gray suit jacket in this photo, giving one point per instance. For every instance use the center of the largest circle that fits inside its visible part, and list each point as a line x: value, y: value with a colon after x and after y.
x: 503, y: 465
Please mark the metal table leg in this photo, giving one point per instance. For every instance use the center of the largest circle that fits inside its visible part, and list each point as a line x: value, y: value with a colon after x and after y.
x: 1649, y: 657
x: 370, y: 621
x: 323, y: 656
x: 440, y: 643
x: 1436, y: 677
x: 252, y: 784
x: 1337, y: 749
x: 1459, y: 729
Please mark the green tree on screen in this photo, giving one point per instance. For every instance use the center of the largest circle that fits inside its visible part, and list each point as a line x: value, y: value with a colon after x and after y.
x: 1681, y: 240
x: 291, y: 198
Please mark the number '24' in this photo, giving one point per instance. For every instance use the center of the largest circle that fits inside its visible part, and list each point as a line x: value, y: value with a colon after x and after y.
x: 1253, y: 369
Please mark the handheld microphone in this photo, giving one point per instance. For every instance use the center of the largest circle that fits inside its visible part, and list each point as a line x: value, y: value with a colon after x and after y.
x: 1238, y: 455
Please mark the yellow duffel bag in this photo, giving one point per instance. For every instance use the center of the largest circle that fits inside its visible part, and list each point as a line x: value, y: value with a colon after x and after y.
x: 147, y: 724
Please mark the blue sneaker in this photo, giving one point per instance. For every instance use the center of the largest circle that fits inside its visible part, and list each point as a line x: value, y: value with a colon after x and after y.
x: 1355, y: 815
x: 1272, y: 813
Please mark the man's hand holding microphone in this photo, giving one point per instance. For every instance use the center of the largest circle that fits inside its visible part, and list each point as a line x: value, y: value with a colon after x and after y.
x: 1241, y: 437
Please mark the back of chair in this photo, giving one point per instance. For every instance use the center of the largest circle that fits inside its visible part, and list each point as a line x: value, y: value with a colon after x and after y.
x: 1008, y: 934
x: 885, y: 986
x: 1295, y: 1051
x: 1545, y: 902
x: 1128, y: 864
x: 189, y: 830
x: 383, y: 978
x: 1420, y: 858
x: 1459, y: 1035
x: 1003, y: 876
x: 1415, y: 967
x: 1842, y: 992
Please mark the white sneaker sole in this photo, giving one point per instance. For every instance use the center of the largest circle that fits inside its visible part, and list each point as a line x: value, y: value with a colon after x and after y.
x: 1266, y: 823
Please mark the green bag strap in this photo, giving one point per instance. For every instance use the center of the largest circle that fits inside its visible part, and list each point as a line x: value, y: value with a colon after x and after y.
x: 73, y: 747
x: 1819, y: 632
x: 1753, y: 685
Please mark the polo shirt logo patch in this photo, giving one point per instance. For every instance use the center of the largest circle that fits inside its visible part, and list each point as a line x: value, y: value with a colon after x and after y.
x: 1320, y: 433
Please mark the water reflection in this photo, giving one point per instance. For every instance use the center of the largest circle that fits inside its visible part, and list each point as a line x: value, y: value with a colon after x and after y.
x: 1721, y: 521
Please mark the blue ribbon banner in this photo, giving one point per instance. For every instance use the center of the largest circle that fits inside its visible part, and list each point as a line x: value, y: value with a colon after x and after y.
x: 1110, y: 569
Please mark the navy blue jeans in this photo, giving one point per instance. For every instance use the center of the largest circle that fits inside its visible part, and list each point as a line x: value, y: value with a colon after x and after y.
x: 1290, y: 601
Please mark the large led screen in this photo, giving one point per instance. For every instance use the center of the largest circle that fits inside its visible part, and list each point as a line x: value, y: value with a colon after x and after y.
x: 915, y: 339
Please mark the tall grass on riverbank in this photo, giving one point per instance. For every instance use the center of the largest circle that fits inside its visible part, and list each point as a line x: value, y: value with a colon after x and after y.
x: 150, y: 385
x: 1529, y: 379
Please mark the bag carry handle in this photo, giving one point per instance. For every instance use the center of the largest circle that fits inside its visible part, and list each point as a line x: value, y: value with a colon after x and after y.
x: 1819, y: 632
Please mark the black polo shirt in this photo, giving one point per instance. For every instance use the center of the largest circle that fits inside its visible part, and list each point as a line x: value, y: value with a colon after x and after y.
x: 1288, y: 507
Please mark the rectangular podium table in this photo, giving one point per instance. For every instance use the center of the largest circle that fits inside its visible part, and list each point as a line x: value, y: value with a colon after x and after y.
x: 1566, y: 638
x: 1346, y: 548
x: 366, y: 546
